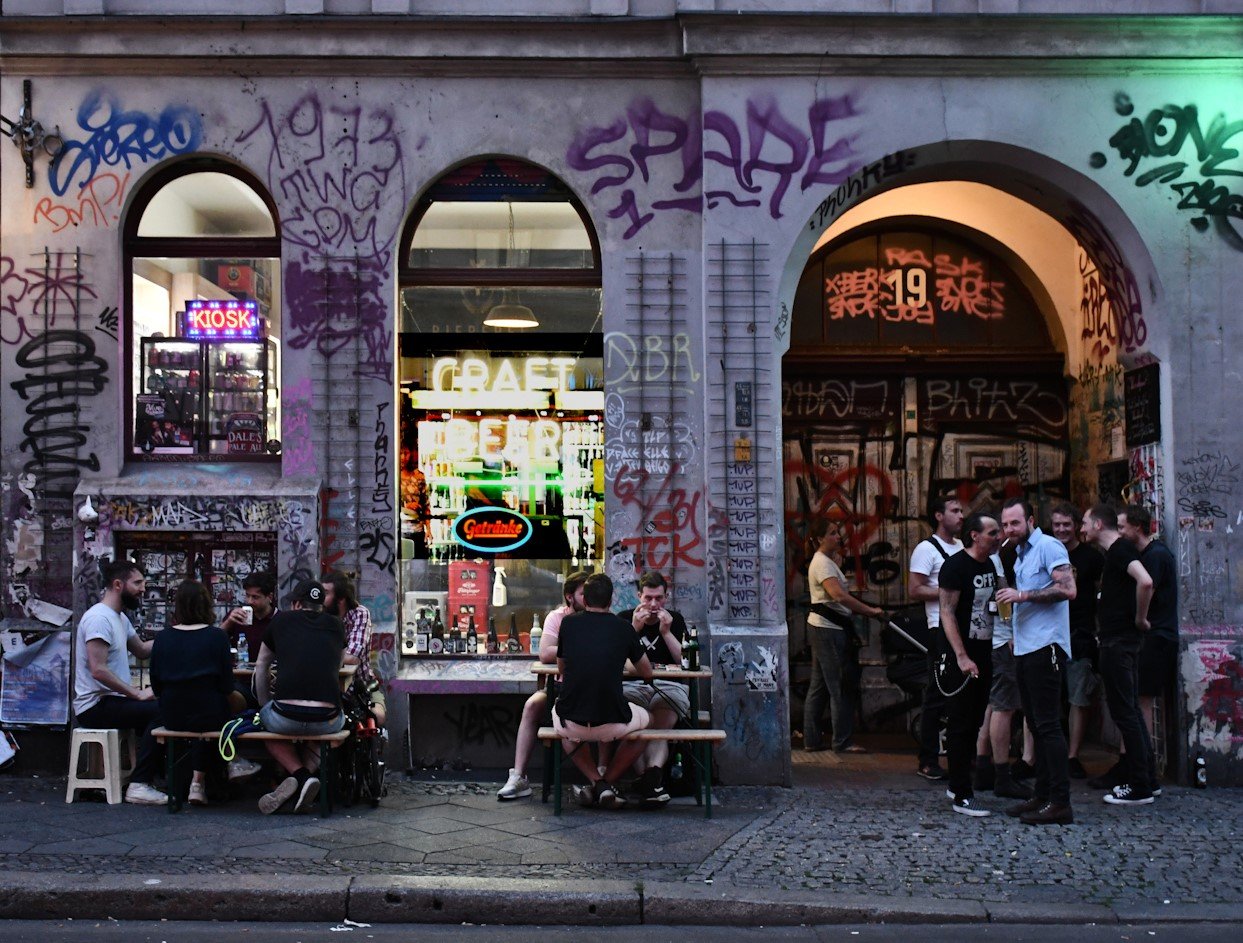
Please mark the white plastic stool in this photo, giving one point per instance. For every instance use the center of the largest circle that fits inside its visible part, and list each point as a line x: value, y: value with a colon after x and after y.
x: 111, y: 773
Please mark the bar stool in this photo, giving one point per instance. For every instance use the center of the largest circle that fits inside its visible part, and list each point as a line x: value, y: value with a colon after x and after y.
x: 111, y: 774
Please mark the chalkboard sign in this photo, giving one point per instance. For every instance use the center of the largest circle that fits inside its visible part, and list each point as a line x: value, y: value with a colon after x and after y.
x: 1143, y: 405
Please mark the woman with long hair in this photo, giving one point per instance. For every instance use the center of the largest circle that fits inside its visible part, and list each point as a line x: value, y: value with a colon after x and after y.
x: 192, y: 675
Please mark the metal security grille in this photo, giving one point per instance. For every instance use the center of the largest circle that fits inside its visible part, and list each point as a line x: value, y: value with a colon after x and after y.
x: 741, y: 469
x: 657, y: 439
x: 337, y: 397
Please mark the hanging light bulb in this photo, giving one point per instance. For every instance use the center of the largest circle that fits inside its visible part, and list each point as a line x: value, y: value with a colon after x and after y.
x: 511, y: 312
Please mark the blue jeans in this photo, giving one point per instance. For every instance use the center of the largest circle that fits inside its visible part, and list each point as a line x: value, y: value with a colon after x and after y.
x: 277, y: 722
x: 829, y: 654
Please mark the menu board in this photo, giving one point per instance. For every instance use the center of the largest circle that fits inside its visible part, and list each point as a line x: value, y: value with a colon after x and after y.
x: 1142, y: 394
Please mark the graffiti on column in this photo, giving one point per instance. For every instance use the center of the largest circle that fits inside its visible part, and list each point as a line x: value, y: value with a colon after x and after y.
x: 767, y: 153
x: 1171, y: 146
x: 340, y: 176
x: 1120, y: 288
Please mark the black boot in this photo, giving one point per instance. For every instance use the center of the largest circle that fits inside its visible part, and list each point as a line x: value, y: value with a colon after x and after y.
x: 983, y: 774
x: 1005, y: 787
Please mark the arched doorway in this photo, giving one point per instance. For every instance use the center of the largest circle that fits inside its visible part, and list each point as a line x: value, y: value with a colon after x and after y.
x: 921, y: 363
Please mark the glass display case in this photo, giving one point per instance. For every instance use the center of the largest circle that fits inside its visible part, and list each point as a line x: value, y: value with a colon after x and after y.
x: 205, y: 397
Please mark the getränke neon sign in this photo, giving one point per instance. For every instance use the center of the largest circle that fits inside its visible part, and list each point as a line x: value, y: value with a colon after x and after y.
x: 216, y: 320
x: 476, y: 374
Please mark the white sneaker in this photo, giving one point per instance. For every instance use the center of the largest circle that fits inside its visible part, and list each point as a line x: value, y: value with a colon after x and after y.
x: 242, y: 768
x: 516, y: 787
x: 306, y: 798
x: 273, y: 800
x: 144, y: 794
x: 198, y: 795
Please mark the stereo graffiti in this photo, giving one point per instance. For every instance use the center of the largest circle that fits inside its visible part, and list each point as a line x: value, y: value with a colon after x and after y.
x: 1159, y: 145
x: 766, y: 155
x: 117, y: 137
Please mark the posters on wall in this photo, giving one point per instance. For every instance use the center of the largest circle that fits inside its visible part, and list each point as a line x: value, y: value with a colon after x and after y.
x: 35, y: 684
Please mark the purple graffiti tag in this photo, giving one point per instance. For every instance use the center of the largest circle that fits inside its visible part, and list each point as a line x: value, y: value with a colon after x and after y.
x: 635, y: 153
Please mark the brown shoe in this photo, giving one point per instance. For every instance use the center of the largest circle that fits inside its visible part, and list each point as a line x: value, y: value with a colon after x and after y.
x: 1031, y: 805
x: 1049, y: 814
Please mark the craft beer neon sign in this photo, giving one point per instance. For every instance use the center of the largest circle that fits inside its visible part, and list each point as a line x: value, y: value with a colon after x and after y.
x: 222, y: 320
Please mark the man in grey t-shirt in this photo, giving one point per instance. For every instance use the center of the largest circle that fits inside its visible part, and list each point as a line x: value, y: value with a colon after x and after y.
x: 103, y: 695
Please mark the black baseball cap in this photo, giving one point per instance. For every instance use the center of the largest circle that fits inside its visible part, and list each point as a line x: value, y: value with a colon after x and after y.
x: 309, y: 593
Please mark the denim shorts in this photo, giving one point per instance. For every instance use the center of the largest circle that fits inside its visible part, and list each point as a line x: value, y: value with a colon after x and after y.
x: 277, y: 722
x: 1004, y: 694
x: 1082, y: 682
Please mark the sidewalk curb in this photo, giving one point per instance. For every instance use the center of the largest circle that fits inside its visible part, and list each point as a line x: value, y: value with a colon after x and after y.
x: 524, y: 902
x: 40, y: 896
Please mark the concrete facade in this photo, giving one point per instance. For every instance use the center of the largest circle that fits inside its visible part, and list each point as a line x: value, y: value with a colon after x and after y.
x: 712, y: 153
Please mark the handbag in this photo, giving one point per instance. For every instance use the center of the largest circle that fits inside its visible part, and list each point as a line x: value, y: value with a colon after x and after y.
x: 245, y: 722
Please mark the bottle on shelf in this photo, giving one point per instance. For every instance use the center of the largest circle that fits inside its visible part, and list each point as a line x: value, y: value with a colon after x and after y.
x: 537, y: 633
x: 423, y: 633
x: 243, y: 652
x: 513, y: 645
x: 436, y: 645
x: 494, y: 643
x: 472, y: 638
x: 690, y: 649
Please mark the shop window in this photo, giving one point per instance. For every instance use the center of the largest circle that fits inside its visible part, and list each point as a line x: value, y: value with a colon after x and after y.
x: 203, y: 318
x: 502, y: 400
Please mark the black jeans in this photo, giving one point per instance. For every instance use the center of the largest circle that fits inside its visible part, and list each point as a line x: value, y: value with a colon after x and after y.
x: 931, y: 714
x: 964, y: 712
x: 123, y: 713
x: 1040, y: 689
x: 1120, y: 674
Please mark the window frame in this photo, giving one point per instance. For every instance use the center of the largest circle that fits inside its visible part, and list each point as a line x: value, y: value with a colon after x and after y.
x: 187, y: 247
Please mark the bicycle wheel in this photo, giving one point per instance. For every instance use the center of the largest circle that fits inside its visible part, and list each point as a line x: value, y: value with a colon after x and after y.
x: 369, y: 773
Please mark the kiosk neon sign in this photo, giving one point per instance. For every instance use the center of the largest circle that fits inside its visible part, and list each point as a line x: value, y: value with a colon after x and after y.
x: 214, y: 319
x: 492, y: 530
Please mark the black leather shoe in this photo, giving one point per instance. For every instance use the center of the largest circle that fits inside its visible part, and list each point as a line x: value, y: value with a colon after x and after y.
x: 1031, y: 805
x: 1049, y: 814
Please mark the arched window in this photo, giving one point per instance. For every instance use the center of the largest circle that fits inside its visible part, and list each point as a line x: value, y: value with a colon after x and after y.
x: 501, y: 368
x: 203, y: 317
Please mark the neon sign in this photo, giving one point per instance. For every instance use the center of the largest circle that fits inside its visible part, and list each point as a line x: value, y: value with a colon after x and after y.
x: 214, y: 319
x: 477, y: 374
x: 492, y: 530
x: 519, y: 442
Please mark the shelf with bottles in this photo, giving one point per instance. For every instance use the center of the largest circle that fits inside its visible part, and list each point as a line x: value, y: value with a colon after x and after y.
x: 426, y: 635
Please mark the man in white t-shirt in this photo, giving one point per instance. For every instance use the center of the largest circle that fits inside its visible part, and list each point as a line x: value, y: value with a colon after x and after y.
x: 104, y: 698
x: 922, y: 585
x: 517, y: 786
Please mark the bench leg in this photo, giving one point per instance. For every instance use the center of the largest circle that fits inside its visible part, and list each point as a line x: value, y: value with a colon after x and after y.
x: 556, y: 777
x: 171, y: 762
x: 707, y: 776
x: 548, y: 757
x: 327, y: 778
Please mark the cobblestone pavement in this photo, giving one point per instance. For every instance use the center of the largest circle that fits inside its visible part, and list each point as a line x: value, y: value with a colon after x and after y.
x: 892, y: 836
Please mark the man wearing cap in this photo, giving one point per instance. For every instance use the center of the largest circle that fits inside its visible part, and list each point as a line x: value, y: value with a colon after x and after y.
x: 309, y: 646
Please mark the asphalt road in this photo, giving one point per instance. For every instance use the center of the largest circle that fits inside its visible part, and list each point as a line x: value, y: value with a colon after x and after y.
x: 111, y: 931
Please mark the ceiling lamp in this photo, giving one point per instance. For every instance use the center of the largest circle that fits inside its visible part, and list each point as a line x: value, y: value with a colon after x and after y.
x: 510, y: 312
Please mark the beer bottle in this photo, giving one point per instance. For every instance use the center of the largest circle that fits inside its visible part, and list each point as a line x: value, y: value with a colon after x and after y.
x: 423, y: 633
x: 690, y: 650
x: 437, y: 643
x: 494, y: 643
x: 512, y: 645
x: 472, y: 638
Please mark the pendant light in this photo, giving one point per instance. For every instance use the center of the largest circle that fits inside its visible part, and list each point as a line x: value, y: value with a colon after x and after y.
x: 511, y: 312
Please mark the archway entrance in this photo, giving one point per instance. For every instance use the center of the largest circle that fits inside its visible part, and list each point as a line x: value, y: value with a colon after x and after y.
x: 937, y: 334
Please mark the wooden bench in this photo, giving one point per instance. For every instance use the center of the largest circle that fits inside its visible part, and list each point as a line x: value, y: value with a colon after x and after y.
x: 327, y: 766
x: 701, y: 755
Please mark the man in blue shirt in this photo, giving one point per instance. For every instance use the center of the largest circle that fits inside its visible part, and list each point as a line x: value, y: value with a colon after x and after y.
x: 1041, y: 601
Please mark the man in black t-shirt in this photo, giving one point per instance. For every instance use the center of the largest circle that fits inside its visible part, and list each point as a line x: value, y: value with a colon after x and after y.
x: 309, y: 646
x: 661, y: 632
x: 1126, y: 590
x: 967, y: 584
x: 1158, y: 654
x: 1082, y: 681
x: 592, y: 652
